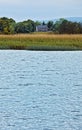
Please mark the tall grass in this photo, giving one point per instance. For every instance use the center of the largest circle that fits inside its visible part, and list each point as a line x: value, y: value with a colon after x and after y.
x: 41, y: 41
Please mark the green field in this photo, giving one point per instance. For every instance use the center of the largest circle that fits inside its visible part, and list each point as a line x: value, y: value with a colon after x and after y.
x: 41, y: 41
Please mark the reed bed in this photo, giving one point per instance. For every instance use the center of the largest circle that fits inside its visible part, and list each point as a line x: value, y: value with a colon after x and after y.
x: 41, y: 41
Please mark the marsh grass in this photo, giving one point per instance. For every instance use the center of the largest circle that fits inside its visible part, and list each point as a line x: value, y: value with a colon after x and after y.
x: 41, y: 41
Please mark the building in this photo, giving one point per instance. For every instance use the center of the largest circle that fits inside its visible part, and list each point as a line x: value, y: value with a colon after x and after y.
x: 41, y: 28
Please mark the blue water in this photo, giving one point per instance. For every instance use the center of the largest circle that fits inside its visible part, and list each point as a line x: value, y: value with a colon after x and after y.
x: 40, y: 90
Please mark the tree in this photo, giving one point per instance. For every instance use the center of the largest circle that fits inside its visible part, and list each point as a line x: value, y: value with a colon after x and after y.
x: 7, y: 25
x: 50, y: 25
x: 64, y: 26
x: 25, y: 27
x: 37, y: 23
x: 43, y: 23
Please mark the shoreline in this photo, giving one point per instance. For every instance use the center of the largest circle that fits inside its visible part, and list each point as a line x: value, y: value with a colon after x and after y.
x: 41, y: 42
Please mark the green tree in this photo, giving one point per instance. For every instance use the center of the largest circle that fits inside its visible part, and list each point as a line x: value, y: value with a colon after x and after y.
x: 50, y: 25
x: 6, y: 25
x: 64, y: 26
x: 25, y: 27
x: 43, y: 23
x: 37, y: 23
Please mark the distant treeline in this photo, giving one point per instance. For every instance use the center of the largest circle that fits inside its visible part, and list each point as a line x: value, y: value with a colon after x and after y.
x: 63, y: 26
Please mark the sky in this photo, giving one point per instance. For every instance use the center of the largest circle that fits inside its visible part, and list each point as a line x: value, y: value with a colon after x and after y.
x: 40, y: 9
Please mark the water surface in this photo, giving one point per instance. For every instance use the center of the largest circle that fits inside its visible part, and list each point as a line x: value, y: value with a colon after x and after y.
x: 40, y: 90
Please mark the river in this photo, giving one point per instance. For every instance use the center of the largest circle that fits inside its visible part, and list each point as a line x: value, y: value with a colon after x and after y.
x: 40, y: 90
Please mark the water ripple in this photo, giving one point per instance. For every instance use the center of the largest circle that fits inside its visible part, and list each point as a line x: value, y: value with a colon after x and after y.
x: 40, y: 90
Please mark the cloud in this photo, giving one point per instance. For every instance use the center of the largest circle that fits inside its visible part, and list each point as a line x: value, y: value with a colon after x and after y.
x: 10, y: 2
x: 40, y: 8
x: 41, y: 3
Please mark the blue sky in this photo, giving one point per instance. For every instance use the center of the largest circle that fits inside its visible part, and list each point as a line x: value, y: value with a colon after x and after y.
x: 40, y: 9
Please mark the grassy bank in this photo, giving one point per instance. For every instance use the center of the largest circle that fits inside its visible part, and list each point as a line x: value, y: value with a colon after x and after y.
x: 38, y: 41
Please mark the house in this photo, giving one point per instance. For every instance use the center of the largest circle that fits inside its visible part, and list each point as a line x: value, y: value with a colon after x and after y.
x: 41, y: 28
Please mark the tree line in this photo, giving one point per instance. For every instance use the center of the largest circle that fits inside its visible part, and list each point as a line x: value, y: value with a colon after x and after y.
x: 62, y: 26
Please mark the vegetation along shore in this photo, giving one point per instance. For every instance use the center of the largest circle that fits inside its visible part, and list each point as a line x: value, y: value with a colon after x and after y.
x: 35, y: 35
x: 41, y: 41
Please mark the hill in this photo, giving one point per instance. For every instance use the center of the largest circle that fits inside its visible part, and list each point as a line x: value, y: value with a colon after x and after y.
x: 72, y: 19
x: 75, y: 19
